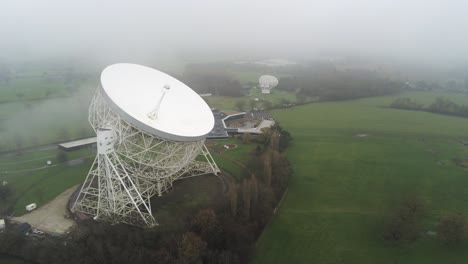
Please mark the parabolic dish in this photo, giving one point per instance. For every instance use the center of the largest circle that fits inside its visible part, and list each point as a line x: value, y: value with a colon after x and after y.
x: 134, y: 91
x: 268, y: 80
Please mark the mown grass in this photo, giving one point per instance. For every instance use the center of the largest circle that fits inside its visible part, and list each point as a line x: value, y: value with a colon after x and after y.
x: 344, y: 185
x: 41, y: 186
x: 230, y: 160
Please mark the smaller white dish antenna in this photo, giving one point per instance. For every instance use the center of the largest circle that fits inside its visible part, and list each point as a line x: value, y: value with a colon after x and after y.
x: 267, y: 82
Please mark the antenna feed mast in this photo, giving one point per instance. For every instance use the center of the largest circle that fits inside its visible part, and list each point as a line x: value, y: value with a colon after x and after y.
x: 154, y: 113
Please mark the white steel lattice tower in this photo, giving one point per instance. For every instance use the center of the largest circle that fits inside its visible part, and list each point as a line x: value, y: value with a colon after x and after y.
x: 150, y: 131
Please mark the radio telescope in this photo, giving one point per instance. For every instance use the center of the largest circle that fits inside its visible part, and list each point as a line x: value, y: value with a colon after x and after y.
x: 267, y: 82
x: 150, y: 131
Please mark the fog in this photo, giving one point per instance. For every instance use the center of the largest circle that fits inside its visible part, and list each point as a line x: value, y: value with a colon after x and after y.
x: 111, y: 30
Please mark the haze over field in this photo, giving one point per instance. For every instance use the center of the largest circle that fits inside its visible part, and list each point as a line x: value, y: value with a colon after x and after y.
x: 418, y: 31
x: 358, y: 154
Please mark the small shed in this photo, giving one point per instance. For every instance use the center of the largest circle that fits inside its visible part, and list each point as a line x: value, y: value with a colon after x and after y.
x: 77, y: 144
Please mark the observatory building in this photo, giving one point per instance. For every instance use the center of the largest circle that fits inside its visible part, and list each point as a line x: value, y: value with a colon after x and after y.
x: 267, y: 82
x: 151, y: 130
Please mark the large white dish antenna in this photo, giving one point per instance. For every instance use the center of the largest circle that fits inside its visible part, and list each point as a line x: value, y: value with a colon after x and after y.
x: 155, y: 102
x: 150, y: 132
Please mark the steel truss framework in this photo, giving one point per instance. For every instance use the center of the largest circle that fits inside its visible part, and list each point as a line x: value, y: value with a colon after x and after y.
x: 132, y: 166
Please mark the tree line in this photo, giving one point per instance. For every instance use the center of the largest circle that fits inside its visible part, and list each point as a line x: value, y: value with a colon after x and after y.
x: 441, y: 105
x: 339, y: 85
x: 211, y: 78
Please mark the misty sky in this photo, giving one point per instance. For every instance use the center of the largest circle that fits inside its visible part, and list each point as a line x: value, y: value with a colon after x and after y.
x: 131, y: 29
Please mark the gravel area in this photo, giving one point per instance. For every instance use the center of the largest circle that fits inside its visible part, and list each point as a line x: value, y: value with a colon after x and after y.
x: 50, y: 218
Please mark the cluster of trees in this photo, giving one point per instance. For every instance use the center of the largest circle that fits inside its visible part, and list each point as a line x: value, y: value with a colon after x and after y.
x: 445, y: 106
x: 225, y: 233
x: 406, y: 224
x: 207, y: 78
x: 449, y: 85
x: 440, y: 106
x: 452, y: 229
x: 339, y: 85
x: 405, y: 221
x: 406, y: 103
x: 5, y: 192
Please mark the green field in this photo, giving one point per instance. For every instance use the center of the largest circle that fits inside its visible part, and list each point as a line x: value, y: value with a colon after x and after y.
x: 41, y: 185
x: 44, y: 102
x: 344, y: 185
x: 230, y: 161
x: 31, y: 88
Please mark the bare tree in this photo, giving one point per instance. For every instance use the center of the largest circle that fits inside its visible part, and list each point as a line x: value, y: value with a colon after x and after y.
x: 206, y: 224
x: 246, y: 138
x: 404, y: 223
x: 246, y: 198
x: 233, y: 198
x: 191, y: 248
x: 18, y: 143
x: 452, y: 229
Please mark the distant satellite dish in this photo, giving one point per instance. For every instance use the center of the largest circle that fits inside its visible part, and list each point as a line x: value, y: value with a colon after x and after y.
x: 267, y: 82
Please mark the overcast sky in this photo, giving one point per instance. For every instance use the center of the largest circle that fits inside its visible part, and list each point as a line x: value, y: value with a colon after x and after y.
x: 130, y: 29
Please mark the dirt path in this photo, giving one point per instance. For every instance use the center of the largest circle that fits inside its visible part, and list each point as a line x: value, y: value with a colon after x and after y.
x: 51, y: 217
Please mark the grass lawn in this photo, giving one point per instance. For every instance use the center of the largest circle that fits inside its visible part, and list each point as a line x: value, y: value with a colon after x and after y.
x: 229, y: 160
x: 41, y: 186
x: 43, y: 122
x: 275, y: 97
x: 32, y: 88
x: 36, y: 109
x: 343, y: 185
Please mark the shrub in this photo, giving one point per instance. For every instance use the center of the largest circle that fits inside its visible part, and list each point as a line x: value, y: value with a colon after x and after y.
x: 451, y: 229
